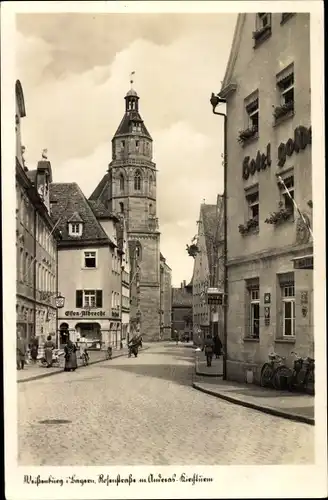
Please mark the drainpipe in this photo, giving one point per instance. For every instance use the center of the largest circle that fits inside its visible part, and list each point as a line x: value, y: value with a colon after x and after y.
x: 34, y: 271
x: 215, y: 100
x: 57, y: 331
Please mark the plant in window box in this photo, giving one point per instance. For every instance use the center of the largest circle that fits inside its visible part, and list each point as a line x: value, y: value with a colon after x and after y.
x: 279, y: 216
x: 244, y: 135
x: 283, y: 110
x: 248, y: 226
x: 260, y: 32
x: 192, y: 250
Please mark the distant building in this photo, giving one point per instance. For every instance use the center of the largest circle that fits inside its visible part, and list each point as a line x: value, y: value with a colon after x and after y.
x: 166, y: 299
x: 182, y: 317
x: 129, y: 188
x: 89, y: 267
x: 270, y: 250
x: 207, y: 250
x: 36, y: 243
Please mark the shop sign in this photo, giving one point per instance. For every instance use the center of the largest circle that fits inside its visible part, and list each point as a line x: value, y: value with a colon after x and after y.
x: 267, y: 316
x: 261, y: 162
x: 302, y: 137
x: 85, y: 313
x: 267, y: 298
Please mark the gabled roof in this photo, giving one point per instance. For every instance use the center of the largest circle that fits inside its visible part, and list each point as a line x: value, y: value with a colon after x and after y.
x: 235, y: 46
x: 67, y: 199
x: 181, y: 297
x: 124, y: 127
x: 98, y: 193
x: 75, y: 218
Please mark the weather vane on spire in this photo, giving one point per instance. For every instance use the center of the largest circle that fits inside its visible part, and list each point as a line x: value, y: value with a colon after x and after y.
x: 44, y: 154
x: 131, y: 77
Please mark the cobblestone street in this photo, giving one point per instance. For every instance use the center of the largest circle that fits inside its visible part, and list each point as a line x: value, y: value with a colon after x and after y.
x: 142, y: 411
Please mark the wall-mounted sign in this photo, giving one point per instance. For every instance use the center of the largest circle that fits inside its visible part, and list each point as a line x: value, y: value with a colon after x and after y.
x: 304, y: 297
x: 261, y: 162
x: 267, y: 316
x: 85, y: 313
x: 302, y: 137
x: 267, y: 298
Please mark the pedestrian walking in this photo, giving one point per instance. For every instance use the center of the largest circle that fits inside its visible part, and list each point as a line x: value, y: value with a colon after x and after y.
x: 34, y: 349
x: 21, y: 349
x: 217, y: 346
x: 49, y: 346
x: 70, y: 357
x: 208, y: 348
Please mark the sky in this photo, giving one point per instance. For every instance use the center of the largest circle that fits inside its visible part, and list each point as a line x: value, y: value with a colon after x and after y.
x: 75, y: 71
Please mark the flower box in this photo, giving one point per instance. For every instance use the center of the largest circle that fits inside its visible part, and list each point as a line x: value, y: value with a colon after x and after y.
x: 248, y: 226
x: 246, y: 134
x: 279, y: 216
x: 262, y: 33
x: 283, y: 110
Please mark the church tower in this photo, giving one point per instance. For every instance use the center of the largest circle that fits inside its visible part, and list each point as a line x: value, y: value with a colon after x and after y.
x: 131, y: 191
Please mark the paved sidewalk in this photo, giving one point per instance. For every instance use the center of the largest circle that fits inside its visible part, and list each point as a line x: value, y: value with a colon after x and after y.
x: 35, y: 372
x: 201, y: 368
x: 298, y: 407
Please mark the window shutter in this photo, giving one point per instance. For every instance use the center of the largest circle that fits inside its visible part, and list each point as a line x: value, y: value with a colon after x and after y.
x: 79, y: 297
x: 99, y: 298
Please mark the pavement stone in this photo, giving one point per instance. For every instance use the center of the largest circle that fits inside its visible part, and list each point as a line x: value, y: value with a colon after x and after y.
x: 299, y: 407
x: 201, y: 368
x: 144, y: 411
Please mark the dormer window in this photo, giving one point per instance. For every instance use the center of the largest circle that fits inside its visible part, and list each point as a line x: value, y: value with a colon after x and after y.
x: 75, y: 226
x: 75, y: 229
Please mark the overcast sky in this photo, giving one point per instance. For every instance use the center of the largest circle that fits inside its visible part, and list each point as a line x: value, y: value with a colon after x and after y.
x: 74, y: 69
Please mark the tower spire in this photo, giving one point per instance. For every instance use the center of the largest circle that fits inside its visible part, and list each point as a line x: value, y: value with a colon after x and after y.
x: 132, y: 79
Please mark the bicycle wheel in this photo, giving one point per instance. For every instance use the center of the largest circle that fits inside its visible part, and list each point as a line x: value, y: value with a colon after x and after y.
x: 279, y: 372
x: 266, y: 374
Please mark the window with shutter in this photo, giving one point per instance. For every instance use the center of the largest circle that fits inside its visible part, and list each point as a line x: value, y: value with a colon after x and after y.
x: 79, y: 298
x: 99, y: 298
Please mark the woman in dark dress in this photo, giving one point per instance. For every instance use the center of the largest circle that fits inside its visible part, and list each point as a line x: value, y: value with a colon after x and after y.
x: 217, y: 346
x: 34, y: 349
x: 49, y: 346
x: 70, y: 357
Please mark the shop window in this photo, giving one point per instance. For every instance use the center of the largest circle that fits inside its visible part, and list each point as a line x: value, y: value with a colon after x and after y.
x: 90, y: 260
x: 253, y: 302
x: 287, y: 193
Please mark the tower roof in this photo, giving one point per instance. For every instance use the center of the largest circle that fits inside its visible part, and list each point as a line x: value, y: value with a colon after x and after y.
x: 131, y: 117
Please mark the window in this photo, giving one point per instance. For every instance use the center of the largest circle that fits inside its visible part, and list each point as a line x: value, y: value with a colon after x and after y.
x: 252, y: 111
x: 122, y: 144
x: 288, y: 310
x: 137, y: 144
x: 75, y: 229
x: 122, y: 207
x: 285, y: 16
x: 253, y: 205
x: 137, y: 181
x: 286, y: 88
x: 254, y: 313
x: 263, y: 20
x: 287, y: 193
x: 88, y: 298
x: 121, y: 182
x: 90, y: 260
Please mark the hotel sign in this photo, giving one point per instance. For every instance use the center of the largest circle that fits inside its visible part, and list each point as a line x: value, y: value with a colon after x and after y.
x: 85, y: 313
x: 261, y: 162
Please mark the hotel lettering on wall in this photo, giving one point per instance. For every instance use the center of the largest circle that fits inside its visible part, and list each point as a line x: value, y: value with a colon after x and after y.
x: 261, y: 162
x: 302, y: 138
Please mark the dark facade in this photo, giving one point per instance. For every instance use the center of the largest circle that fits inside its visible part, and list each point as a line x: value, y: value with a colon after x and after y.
x: 182, y: 321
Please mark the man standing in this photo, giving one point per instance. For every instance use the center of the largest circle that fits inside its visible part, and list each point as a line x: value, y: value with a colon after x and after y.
x: 20, y: 352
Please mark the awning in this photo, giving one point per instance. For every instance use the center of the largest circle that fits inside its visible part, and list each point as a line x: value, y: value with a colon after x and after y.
x: 305, y: 262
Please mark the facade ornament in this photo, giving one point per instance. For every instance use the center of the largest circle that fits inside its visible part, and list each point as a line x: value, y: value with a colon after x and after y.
x: 302, y: 229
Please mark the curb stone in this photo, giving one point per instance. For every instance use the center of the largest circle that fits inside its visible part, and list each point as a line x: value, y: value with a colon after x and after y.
x: 264, y: 409
x: 43, y: 375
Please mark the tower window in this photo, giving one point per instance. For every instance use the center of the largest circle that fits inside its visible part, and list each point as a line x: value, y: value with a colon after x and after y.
x: 137, y: 144
x: 122, y: 207
x: 122, y: 144
x: 121, y: 182
x: 137, y: 181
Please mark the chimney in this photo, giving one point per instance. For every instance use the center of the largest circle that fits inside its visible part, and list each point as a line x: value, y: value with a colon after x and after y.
x: 184, y: 283
x: 181, y: 284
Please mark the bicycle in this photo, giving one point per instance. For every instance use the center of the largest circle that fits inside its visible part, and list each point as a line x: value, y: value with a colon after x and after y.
x: 305, y: 366
x: 85, y: 358
x: 109, y: 353
x: 271, y: 376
